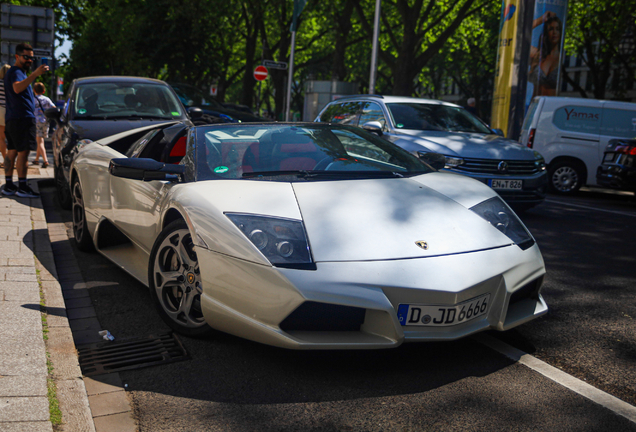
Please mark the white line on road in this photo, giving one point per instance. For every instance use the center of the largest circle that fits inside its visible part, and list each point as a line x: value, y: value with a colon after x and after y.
x: 568, y: 381
x: 591, y: 208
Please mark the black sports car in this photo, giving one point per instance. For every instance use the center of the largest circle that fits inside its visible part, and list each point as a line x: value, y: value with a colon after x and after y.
x: 618, y: 170
x: 98, y: 107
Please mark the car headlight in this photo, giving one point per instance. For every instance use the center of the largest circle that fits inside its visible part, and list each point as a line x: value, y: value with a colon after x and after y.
x: 452, y: 162
x: 282, y: 241
x: 539, y: 162
x: 499, y: 215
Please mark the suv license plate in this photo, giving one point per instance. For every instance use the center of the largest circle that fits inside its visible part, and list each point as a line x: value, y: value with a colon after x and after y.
x: 441, y: 315
x: 506, y: 184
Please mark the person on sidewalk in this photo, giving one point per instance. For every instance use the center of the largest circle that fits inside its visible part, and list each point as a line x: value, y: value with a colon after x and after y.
x: 20, y: 120
x: 3, y: 109
x: 42, y: 103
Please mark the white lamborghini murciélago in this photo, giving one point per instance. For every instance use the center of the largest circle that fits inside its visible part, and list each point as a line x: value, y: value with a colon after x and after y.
x: 305, y: 236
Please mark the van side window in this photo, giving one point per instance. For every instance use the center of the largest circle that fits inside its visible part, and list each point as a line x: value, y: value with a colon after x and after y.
x: 342, y: 113
x: 579, y: 119
x: 618, y: 123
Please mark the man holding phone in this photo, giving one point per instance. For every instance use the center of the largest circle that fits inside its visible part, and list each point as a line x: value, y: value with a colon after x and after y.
x: 20, y: 120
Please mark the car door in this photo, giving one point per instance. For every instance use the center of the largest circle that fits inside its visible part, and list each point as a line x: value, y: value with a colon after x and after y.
x: 136, y: 204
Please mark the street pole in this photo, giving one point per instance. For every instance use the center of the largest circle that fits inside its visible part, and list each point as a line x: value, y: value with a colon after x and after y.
x: 290, y: 75
x: 374, y: 50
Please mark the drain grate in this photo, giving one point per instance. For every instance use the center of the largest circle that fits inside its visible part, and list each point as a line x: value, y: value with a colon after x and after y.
x: 106, y: 357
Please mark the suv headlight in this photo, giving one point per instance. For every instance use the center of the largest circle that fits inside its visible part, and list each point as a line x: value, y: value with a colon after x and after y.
x: 539, y: 162
x: 499, y: 215
x: 282, y: 241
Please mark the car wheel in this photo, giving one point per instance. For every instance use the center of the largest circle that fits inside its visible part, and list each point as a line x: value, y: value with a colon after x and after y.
x: 566, y: 177
x: 61, y: 188
x: 80, y: 230
x: 175, y: 281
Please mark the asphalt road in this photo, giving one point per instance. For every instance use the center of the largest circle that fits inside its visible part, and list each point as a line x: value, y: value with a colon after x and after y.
x: 230, y: 384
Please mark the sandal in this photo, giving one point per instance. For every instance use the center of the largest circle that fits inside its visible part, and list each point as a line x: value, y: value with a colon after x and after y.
x: 45, y: 164
x: 35, y: 162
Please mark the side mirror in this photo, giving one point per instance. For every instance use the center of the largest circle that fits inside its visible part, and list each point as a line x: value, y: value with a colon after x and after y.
x: 53, y: 114
x: 436, y: 160
x: 195, y: 112
x: 145, y: 169
x: 373, y: 127
x: 497, y: 132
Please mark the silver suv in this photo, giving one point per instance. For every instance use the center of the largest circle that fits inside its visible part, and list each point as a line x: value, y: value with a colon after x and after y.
x: 430, y: 128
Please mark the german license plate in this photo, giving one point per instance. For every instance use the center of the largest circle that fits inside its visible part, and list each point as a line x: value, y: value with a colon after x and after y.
x: 441, y: 315
x: 506, y: 184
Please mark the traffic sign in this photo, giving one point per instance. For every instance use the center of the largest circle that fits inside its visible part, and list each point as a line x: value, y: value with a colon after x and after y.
x: 260, y: 73
x: 275, y: 64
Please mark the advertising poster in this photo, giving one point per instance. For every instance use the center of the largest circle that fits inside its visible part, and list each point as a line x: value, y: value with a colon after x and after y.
x: 546, y: 51
x: 505, y: 64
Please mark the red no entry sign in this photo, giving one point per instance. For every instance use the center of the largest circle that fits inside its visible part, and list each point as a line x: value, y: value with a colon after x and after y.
x: 260, y: 73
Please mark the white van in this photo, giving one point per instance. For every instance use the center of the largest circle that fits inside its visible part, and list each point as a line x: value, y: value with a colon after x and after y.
x: 572, y: 133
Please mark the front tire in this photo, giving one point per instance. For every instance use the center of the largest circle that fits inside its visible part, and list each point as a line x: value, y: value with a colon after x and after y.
x: 566, y: 177
x: 80, y: 230
x: 175, y: 281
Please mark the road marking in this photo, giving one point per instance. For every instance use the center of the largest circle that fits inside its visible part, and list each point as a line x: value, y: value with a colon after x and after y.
x: 591, y: 208
x: 606, y: 400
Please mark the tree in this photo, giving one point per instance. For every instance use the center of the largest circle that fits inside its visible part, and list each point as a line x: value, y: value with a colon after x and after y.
x: 601, y: 33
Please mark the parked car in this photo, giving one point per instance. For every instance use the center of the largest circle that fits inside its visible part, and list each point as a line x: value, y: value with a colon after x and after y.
x: 469, y: 147
x: 304, y: 236
x: 213, y: 111
x: 102, y: 106
x: 572, y: 134
x: 618, y: 170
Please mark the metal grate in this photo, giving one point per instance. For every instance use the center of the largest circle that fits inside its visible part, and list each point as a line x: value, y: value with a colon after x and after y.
x: 106, y: 357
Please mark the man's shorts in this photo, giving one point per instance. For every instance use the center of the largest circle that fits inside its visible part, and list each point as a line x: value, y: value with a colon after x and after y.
x: 3, y: 111
x: 42, y: 129
x: 20, y: 134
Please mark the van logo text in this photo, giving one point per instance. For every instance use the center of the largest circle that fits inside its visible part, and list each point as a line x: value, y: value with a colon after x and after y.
x: 581, y: 115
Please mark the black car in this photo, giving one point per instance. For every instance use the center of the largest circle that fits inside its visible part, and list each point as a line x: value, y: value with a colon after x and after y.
x: 618, y: 170
x: 213, y: 111
x: 98, y: 107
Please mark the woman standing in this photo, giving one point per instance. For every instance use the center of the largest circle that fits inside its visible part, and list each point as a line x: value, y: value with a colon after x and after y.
x: 42, y: 103
x: 545, y: 58
x: 3, y: 110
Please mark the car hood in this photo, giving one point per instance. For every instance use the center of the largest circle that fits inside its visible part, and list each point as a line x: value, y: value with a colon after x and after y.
x: 236, y: 114
x: 469, y: 145
x: 367, y: 220
x: 352, y: 220
x: 98, y: 129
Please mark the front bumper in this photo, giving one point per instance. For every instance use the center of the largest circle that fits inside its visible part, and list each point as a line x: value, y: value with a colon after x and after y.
x: 533, y: 191
x: 352, y: 305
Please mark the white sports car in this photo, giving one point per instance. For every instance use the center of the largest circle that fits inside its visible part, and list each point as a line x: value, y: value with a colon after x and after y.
x: 305, y: 236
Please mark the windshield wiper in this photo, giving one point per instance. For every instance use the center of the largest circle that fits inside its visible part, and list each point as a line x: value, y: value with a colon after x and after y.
x: 138, y: 117
x: 313, y: 174
x: 299, y: 173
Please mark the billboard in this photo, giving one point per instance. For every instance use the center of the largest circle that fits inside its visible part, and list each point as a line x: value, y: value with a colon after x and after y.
x: 546, y: 50
x: 504, y: 71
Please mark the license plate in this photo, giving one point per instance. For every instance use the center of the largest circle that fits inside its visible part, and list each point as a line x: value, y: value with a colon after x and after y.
x: 506, y: 184
x: 441, y: 315
x: 609, y: 157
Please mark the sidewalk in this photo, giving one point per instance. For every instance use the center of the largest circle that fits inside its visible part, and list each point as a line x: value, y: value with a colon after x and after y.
x: 33, y: 321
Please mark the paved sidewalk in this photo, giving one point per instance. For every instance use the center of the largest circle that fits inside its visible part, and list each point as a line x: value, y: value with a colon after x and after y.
x: 31, y: 298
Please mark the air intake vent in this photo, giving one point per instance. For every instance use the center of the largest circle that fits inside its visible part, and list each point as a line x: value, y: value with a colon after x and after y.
x: 313, y: 316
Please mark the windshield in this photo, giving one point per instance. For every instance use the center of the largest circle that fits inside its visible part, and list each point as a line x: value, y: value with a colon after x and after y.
x: 299, y: 152
x: 192, y: 96
x: 433, y: 117
x: 125, y: 100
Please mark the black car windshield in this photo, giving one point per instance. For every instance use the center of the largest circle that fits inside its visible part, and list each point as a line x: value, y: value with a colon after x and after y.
x: 300, y: 152
x: 435, y: 117
x: 122, y: 100
x: 192, y: 96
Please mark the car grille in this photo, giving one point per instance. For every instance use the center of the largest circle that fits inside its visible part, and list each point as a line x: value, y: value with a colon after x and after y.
x: 491, y: 166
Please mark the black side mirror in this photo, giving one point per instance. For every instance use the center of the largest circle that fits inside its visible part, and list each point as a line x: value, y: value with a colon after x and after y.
x: 373, y: 127
x: 145, y: 169
x: 195, y: 112
x: 53, y: 114
x: 436, y: 160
